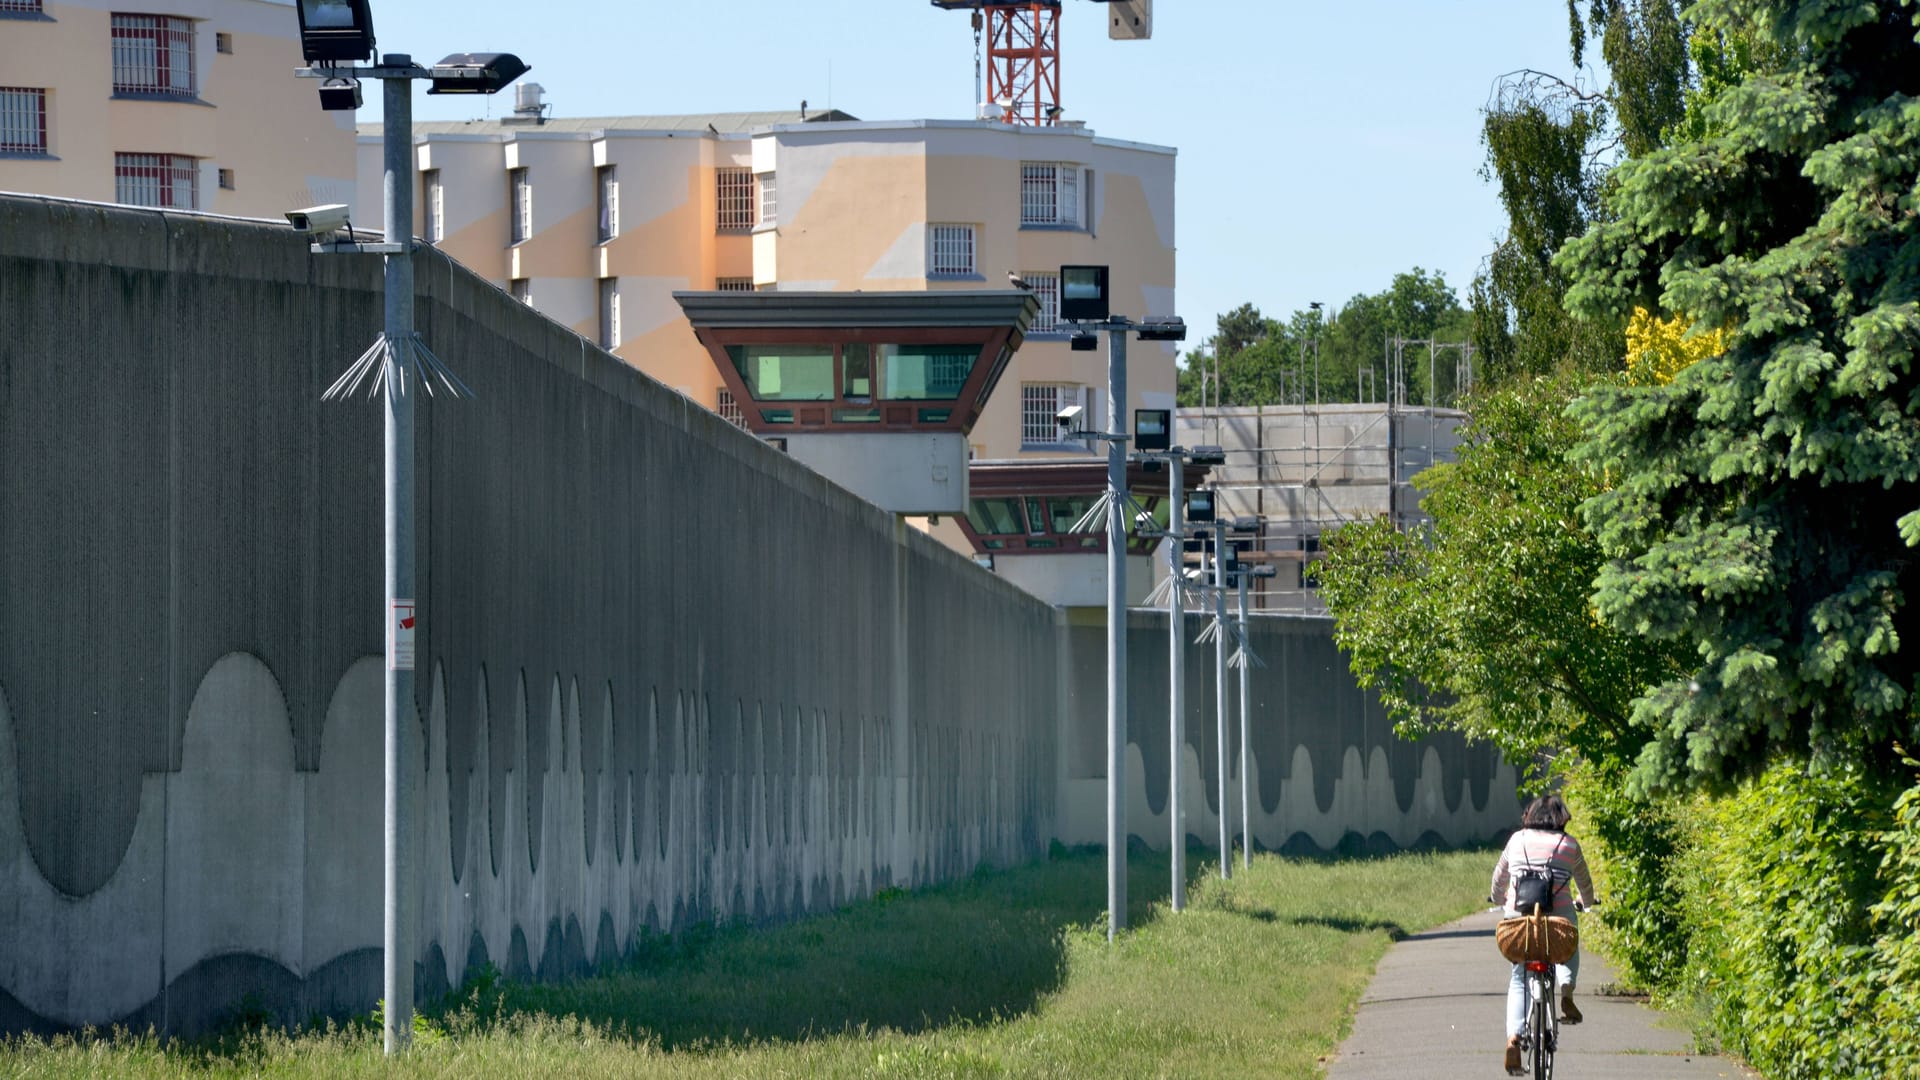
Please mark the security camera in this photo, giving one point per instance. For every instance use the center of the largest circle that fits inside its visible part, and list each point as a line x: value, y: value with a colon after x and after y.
x: 319, y: 219
x: 1069, y: 417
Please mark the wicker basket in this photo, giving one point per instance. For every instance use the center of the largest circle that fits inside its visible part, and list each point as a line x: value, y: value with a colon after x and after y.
x: 1537, y: 937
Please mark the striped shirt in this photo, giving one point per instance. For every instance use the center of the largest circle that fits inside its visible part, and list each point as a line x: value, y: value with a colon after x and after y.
x: 1555, y: 852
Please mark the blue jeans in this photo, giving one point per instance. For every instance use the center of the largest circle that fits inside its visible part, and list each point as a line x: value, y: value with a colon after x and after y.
x: 1564, y: 976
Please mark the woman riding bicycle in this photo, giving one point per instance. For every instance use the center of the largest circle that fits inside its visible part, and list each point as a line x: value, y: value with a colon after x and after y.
x: 1542, y: 845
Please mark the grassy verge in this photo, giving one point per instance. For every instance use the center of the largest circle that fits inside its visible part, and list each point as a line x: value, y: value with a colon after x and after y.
x: 1005, y: 974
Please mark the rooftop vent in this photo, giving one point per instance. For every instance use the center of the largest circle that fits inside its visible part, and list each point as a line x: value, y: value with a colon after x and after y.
x: 528, y: 105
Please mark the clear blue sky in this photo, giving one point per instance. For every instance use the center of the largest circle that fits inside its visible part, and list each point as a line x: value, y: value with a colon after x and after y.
x: 1325, y: 145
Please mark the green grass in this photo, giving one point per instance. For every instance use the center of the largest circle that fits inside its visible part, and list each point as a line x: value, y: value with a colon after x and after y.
x: 1005, y: 974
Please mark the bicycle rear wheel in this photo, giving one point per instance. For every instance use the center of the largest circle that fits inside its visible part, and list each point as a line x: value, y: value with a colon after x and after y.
x: 1542, y: 1025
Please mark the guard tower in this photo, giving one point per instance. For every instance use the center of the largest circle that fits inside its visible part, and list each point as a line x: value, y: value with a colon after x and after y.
x: 875, y: 390
x: 1021, y: 518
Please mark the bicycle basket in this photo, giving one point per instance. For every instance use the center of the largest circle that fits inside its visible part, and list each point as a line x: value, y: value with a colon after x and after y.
x: 1540, y: 937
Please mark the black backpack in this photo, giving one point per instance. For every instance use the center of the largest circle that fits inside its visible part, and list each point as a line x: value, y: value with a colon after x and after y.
x: 1533, y: 891
x: 1533, y: 888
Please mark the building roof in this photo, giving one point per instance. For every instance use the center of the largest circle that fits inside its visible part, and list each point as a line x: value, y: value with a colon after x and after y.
x: 737, y: 123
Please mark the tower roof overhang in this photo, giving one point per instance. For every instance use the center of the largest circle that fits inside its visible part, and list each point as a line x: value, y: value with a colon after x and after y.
x: 825, y: 362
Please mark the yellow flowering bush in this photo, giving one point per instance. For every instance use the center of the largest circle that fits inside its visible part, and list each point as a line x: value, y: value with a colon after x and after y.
x: 1658, y: 349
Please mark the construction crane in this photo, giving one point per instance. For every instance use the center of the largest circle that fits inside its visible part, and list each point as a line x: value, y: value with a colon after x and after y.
x: 1023, y: 52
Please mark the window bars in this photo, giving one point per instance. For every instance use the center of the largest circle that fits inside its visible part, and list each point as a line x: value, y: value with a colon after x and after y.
x: 952, y: 251
x: 23, y: 7
x: 1040, y: 403
x: 1046, y: 289
x: 153, y: 54
x: 608, y: 185
x: 522, y: 211
x: 23, y: 120
x: 735, y: 198
x: 1050, y: 194
x: 729, y: 409
x: 169, y: 180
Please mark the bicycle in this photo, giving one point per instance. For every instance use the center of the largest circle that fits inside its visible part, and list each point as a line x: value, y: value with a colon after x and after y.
x: 1540, y: 1028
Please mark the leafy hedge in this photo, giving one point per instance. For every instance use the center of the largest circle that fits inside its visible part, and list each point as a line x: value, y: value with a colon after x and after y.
x: 1788, y: 910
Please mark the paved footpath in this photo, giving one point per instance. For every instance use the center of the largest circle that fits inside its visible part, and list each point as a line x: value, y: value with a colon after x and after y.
x: 1436, y: 1010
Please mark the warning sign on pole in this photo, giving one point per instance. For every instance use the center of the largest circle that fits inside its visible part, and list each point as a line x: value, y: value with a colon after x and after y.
x: 400, y: 636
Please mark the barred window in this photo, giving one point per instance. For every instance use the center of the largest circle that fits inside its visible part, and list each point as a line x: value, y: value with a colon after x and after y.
x: 608, y: 185
x: 1039, y: 404
x: 223, y: 42
x: 522, y: 207
x: 952, y: 254
x: 609, y: 313
x: 736, y: 198
x: 1046, y: 289
x: 153, y: 54
x: 769, y: 200
x: 171, y: 180
x: 435, y: 200
x: 729, y: 409
x: 1050, y: 194
x: 23, y: 120
x: 24, y: 7
x: 226, y: 179
x: 734, y: 284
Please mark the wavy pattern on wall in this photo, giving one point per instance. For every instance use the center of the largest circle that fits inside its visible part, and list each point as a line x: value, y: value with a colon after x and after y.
x: 242, y: 860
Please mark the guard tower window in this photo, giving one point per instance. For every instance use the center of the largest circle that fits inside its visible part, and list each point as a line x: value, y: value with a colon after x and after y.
x: 785, y: 372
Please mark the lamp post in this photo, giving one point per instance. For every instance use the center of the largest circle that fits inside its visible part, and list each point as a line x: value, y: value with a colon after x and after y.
x: 333, y: 31
x: 1220, y: 697
x: 1244, y: 659
x: 1084, y: 302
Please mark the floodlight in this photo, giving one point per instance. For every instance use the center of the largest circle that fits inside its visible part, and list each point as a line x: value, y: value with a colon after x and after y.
x: 476, y: 73
x: 1083, y: 293
x: 335, y: 30
x: 1207, y: 455
x: 1173, y: 329
x: 1245, y: 524
x: 1200, y: 505
x: 1152, y: 429
x: 1263, y: 570
x: 1083, y: 342
x: 340, y: 95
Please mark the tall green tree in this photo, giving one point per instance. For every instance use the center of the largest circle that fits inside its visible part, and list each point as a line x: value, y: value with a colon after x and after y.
x: 1550, y: 143
x: 1766, y: 503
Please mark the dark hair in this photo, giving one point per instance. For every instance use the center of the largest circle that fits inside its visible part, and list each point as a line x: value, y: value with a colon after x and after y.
x: 1546, y: 812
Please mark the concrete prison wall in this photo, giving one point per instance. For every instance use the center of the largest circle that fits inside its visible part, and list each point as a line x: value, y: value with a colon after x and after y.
x: 667, y: 675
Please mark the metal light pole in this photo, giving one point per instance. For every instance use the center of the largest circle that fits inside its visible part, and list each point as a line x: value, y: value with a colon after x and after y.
x: 1220, y: 691
x: 1176, y: 675
x: 397, y: 908
x: 396, y: 363
x: 1246, y: 794
x: 1116, y: 627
